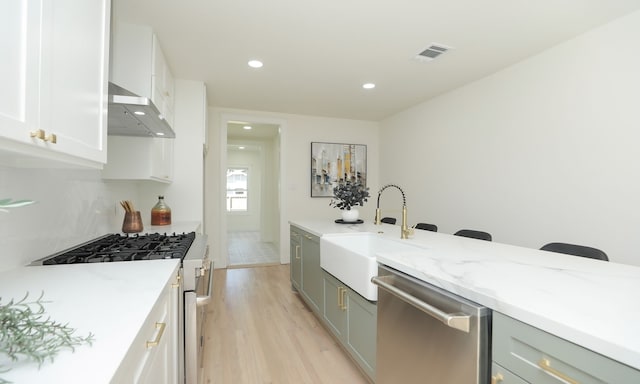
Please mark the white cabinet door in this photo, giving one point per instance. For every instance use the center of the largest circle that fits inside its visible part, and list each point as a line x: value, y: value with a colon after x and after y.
x: 153, y: 358
x: 75, y: 57
x: 162, y: 83
x: 139, y: 66
x: 53, y: 101
x: 20, y: 31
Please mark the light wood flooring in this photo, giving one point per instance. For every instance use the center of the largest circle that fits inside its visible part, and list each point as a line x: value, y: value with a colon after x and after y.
x: 245, y: 248
x: 259, y: 331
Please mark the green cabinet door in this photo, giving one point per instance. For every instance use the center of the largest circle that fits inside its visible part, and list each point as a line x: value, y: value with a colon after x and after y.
x: 542, y: 358
x: 501, y: 375
x: 362, y: 321
x: 295, y: 254
x: 312, y: 286
x: 335, y: 314
x: 353, y: 321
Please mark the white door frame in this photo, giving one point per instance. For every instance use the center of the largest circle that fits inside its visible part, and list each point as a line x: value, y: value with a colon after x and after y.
x: 282, y: 198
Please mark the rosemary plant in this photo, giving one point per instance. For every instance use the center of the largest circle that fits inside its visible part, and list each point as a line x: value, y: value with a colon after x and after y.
x: 25, y: 332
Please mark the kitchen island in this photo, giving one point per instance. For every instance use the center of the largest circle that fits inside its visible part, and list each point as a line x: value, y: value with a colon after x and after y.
x: 110, y: 300
x: 591, y: 303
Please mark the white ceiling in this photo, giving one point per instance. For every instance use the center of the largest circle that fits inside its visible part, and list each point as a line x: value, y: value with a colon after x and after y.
x: 317, y: 54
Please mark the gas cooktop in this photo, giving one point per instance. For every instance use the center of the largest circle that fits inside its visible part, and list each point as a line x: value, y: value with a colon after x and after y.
x: 116, y: 247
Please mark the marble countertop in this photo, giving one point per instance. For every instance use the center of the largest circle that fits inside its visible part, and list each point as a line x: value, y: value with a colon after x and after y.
x: 591, y: 303
x: 110, y: 300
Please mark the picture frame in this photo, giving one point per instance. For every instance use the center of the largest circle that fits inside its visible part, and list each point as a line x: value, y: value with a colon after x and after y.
x: 332, y: 163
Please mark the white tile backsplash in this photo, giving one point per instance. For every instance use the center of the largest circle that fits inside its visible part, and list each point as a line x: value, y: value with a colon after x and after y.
x: 73, y: 206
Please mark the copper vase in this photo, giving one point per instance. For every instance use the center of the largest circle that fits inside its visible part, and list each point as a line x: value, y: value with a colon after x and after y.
x: 132, y: 222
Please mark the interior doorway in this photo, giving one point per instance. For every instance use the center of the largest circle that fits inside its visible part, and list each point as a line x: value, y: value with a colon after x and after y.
x: 252, y: 193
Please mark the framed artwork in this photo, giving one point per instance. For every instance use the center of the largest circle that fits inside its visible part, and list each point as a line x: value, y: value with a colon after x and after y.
x: 332, y: 163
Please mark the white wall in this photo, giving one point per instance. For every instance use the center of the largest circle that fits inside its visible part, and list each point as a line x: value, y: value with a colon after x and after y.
x: 546, y: 150
x: 73, y: 206
x: 185, y: 195
x: 297, y: 133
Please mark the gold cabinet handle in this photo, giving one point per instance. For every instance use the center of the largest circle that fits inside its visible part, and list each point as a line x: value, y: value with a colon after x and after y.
x: 177, y: 283
x: 545, y: 364
x: 161, y: 327
x: 497, y: 378
x: 297, y: 252
x: 341, y: 302
x: 52, y: 138
x: 308, y: 237
x: 39, y: 134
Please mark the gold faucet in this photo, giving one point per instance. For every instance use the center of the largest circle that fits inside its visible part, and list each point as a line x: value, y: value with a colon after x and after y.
x: 405, y: 231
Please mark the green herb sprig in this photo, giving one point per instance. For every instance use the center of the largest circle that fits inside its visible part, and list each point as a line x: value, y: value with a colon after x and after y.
x: 9, y: 203
x: 26, y: 332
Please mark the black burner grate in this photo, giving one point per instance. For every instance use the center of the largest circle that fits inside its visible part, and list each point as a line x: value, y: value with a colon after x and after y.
x: 118, y: 247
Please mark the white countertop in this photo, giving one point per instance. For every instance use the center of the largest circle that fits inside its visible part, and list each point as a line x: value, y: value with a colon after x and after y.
x: 592, y: 303
x: 110, y: 300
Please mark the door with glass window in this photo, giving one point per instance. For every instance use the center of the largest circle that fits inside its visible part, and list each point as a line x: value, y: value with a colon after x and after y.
x: 237, y: 189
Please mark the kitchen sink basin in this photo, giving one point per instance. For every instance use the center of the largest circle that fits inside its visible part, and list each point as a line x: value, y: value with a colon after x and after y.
x: 352, y: 258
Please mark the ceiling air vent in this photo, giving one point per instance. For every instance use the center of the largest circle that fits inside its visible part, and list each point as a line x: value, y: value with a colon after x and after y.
x: 432, y: 52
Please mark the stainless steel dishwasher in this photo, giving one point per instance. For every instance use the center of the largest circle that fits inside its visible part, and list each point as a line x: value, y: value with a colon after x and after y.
x: 428, y: 335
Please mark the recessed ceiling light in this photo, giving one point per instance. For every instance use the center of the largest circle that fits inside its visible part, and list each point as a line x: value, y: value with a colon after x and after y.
x: 139, y: 113
x: 255, y: 63
x: 368, y: 85
x: 240, y: 147
x: 247, y: 127
x: 160, y: 134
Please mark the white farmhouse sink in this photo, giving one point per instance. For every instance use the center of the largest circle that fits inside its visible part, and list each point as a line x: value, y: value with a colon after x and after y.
x: 352, y: 258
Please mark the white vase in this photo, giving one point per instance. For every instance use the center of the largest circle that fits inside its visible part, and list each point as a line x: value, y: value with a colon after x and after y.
x: 350, y: 215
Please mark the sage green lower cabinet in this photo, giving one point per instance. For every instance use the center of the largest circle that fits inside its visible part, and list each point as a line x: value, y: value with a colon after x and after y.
x: 538, y: 357
x: 349, y: 316
x: 501, y: 375
x: 353, y: 320
x: 295, y: 255
x: 311, y: 272
x: 306, y: 273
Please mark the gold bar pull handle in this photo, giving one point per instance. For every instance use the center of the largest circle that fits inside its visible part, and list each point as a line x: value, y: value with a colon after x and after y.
x: 298, y: 252
x: 161, y: 327
x: 52, y: 138
x: 39, y: 134
x: 497, y: 378
x: 545, y: 365
x: 343, y: 304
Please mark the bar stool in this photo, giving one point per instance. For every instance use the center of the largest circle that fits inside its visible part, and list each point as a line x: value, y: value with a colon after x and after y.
x: 480, y: 235
x: 388, y: 220
x: 427, y: 227
x: 576, y: 250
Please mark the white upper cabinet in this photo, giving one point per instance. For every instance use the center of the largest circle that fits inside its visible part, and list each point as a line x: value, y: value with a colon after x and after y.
x: 53, y: 99
x: 139, y: 66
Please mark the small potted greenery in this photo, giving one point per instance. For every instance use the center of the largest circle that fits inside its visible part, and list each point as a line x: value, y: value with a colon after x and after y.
x: 346, y: 196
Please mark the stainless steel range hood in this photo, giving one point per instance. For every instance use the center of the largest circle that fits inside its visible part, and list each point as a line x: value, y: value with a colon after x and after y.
x: 133, y: 115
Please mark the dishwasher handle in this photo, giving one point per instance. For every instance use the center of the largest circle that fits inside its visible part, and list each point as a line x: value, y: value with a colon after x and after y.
x: 457, y: 321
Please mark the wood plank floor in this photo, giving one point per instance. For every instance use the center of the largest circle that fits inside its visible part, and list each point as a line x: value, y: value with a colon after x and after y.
x: 259, y: 331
